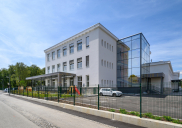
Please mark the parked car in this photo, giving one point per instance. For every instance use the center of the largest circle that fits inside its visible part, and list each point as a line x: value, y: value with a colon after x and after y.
x: 109, y: 92
x: 6, y: 90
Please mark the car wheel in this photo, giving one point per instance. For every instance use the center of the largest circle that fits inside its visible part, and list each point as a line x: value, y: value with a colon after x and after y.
x: 114, y: 95
x: 101, y: 94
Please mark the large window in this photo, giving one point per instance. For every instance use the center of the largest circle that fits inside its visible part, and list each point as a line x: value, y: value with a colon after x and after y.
x: 87, y: 81
x: 58, y: 53
x: 53, y: 55
x: 65, y: 82
x: 48, y: 70
x: 64, y: 51
x: 71, y: 64
x: 79, y: 45
x: 58, y: 67
x: 132, y: 59
x: 79, y: 63
x: 87, y: 61
x: 79, y: 81
x: 87, y: 41
x: 53, y: 68
x: 48, y: 57
x: 64, y: 66
x: 105, y: 44
x: 102, y: 62
x: 72, y: 48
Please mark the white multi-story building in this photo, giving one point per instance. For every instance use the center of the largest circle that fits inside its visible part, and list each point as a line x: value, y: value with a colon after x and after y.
x: 96, y: 56
x: 90, y: 54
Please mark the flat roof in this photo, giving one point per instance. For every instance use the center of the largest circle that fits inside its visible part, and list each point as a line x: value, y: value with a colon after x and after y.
x: 50, y: 75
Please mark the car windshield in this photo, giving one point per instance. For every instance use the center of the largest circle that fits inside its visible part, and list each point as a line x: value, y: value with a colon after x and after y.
x: 113, y: 90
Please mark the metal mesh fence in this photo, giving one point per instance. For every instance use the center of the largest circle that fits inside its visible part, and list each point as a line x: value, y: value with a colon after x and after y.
x: 165, y: 101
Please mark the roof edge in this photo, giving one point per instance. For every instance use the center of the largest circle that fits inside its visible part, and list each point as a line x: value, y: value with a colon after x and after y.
x: 80, y: 34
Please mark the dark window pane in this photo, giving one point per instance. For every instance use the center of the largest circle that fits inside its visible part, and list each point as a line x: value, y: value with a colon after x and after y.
x: 127, y: 72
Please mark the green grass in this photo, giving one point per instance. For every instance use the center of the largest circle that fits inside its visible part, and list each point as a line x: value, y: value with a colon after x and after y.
x: 111, y: 110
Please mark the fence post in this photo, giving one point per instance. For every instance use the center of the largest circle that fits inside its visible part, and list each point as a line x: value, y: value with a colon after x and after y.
x: 98, y: 96
x: 27, y: 91
x: 23, y: 91
x: 71, y: 91
x: 32, y: 92
x: 74, y: 94
x: 60, y: 90
x: 58, y: 94
x: 80, y: 90
x: 140, y: 101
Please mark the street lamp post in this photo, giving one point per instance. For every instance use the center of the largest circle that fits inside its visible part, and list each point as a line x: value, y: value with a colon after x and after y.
x: 9, y: 84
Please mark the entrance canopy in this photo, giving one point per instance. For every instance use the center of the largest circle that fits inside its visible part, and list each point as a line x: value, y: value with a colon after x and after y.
x: 57, y: 75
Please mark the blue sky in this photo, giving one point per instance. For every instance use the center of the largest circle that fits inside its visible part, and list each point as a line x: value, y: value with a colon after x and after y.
x: 27, y: 28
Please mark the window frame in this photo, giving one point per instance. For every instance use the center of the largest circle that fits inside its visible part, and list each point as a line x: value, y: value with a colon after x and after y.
x: 71, y: 65
x: 87, y: 61
x: 79, y: 45
x: 79, y: 63
x: 64, y: 64
x: 53, y: 55
x: 59, y: 53
x: 87, y: 42
x: 53, y: 68
x: 71, y: 46
x: 64, y: 50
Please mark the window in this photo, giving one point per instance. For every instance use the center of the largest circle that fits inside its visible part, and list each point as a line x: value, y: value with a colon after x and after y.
x: 53, y: 55
x: 79, y: 63
x: 107, y: 46
x: 79, y: 81
x: 87, y: 41
x: 58, y: 67
x: 71, y: 64
x: 53, y: 68
x: 107, y: 82
x: 112, y: 83
x: 87, y: 77
x: 102, y: 62
x: 64, y: 66
x: 72, y: 48
x: 64, y: 51
x: 48, y: 57
x: 87, y: 61
x: 79, y: 45
x: 112, y: 65
x: 112, y: 48
x: 58, y: 53
x: 102, y: 82
x: 102, y: 42
x: 48, y: 70
x: 105, y: 63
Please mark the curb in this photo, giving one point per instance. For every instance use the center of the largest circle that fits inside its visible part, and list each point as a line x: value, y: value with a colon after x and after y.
x: 144, y: 122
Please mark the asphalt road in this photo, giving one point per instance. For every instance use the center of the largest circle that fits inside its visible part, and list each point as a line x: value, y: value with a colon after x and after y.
x: 19, y: 113
x: 170, y: 105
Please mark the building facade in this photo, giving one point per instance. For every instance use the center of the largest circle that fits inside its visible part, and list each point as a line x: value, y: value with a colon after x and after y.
x: 90, y: 54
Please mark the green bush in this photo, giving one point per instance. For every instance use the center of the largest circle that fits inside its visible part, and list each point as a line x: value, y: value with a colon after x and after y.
x: 123, y: 111
x: 111, y: 110
x: 176, y: 121
x: 132, y: 113
x: 157, y: 118
x: 168, y: 118
x: 149, y: 115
